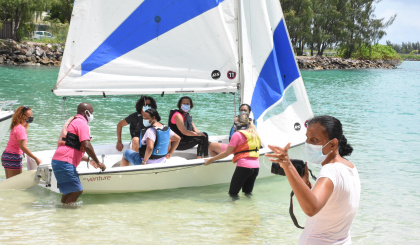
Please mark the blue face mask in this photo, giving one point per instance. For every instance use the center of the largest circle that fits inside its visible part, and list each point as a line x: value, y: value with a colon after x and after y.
x: 243, y: 112
x: 146, y: 107
x: 185, y: 108
x: 146, y: 123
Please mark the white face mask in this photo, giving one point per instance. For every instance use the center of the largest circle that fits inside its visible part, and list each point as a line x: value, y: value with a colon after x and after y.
x: 146, y: 122
x: 89, y: 116
x: 314, y: 153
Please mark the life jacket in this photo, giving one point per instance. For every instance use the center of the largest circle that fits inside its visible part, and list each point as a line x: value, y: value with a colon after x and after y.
x: 187, y: 123
x: 161, y: 145
x: 247, y: 149
x: 69, y: 139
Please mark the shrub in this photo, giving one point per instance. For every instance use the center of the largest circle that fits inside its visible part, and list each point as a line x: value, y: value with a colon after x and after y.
x: 372, y: 52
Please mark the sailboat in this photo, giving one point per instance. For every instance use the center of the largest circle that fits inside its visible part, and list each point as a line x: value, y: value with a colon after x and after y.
x: 6, y: 114
x: 182, y: 46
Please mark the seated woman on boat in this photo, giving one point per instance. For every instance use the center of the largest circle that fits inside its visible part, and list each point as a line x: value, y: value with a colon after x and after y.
x: 180, y: 121
x: 136, y: 122
x: 215, y: 147
x: 157, y: 144
x: 245, y: 145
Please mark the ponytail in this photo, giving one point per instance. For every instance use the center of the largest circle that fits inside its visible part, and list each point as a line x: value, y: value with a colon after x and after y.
x: 344, y: 149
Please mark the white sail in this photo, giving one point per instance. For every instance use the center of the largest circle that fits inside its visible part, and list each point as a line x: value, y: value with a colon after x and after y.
x: 150, y: 47
x: 272, y: 83
x: 171, y: 46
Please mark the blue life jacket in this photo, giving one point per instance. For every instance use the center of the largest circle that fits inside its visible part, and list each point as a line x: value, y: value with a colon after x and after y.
x: 161, y: 145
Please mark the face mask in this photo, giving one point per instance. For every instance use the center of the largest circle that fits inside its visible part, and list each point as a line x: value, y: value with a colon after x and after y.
x: 243, y: 112
x: 146, y: 123
x: 185, y: 107
x: 30, y: 119
x: 89, y: 116
x: 314, y: 153
x: 146, y: 107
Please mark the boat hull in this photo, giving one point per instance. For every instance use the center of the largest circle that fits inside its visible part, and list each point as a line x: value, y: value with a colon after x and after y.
x: 5, y: 121
x: 177, y: 172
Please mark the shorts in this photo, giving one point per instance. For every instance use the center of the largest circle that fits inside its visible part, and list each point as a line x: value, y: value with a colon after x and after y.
x: 67, y: 177
x: 135, y: 159
x: 132, y: 156
x: 11, y: 161
x: 223, y: 147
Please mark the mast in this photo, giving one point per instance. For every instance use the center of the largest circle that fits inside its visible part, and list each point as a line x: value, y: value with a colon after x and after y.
x: 240, y: 56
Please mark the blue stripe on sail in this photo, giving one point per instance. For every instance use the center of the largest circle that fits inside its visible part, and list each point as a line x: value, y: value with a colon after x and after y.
x: 141, y: 27
x: 278, y: 72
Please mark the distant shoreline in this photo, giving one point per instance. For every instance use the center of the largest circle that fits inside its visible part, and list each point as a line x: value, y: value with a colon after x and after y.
x: 30, y: 54
x: 50, y: 54
x: 334, y: 63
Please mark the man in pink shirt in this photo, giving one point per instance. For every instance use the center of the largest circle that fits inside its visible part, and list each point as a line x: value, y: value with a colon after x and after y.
x: 67, y: 157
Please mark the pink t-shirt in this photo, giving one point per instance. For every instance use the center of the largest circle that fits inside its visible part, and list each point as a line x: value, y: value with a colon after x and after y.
x: 173, y: 117
x: 246, y: 162
x: 16, y: 134
x: 79, y: 127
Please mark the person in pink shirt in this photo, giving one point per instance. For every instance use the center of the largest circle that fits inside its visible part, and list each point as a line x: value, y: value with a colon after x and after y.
x: 245, y: 145
x: 68, y: 156
x: 11, y: 158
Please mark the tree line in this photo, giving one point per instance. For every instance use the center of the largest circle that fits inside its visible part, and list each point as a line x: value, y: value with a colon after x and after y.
x: 405, y: 48
x: 23, y: 13
x: 349, y: 25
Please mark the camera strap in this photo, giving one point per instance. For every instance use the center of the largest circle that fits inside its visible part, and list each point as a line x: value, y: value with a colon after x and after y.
x: 292, y: 215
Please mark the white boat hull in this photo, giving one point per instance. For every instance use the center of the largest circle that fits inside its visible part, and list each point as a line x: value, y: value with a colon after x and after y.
x: 6, y: 114
x: 177, y: 172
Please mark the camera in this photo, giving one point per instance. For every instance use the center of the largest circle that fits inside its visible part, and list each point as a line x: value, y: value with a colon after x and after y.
x: 299, y: 165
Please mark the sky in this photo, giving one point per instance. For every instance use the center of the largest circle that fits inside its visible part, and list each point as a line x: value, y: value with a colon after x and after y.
x: 406, y: 27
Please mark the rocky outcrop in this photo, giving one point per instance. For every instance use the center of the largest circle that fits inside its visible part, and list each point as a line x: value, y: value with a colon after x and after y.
x: 329, y: 63
x: 28, y: 53
x: 50, y: 54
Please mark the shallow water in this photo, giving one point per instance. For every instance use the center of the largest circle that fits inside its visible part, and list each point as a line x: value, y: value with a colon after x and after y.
x: 380, y: 111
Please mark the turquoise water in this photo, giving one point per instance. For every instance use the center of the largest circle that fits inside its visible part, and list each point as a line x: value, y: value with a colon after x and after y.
x: 380, y: 111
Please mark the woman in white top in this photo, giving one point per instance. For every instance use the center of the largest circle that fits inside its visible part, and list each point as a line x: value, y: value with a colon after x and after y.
x: 333, y: 201
x: 155, y: 147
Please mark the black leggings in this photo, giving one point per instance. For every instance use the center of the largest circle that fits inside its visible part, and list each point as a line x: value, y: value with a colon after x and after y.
x: 243, y: 178
x: 189, y: 142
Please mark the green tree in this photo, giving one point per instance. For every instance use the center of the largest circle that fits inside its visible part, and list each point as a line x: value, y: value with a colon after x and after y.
x: 62, y: 10
x: 327, y: 24
x: 361, y: 27
x: 21, y: 11
x: 298, y: 15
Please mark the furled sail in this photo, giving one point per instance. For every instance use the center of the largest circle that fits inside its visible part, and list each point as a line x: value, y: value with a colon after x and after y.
x: 150, y: 47
x: 271, y: 81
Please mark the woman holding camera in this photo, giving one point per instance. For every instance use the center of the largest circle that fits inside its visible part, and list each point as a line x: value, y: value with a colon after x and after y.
x: 333, y: 201
x: 245, y: 145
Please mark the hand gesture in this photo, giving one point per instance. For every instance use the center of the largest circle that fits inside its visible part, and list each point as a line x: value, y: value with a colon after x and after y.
x: 119, y: 146
x: 280, y: 155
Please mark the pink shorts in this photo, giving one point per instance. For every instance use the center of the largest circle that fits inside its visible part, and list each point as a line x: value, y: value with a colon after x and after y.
x: 223, y: 147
